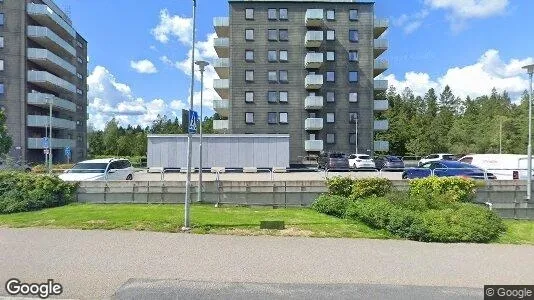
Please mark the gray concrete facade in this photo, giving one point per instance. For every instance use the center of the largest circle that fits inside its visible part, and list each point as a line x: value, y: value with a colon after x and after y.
x: 342, y: 129
x: 45, y: 59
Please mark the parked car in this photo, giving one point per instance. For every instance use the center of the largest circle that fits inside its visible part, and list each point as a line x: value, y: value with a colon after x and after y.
x: 436, y: 157
x: 333, y: 161
x: 6, y: 165
x: 503, y: 166
x: 389, y: 163
x: 447, y: 168
x: 361, y: 161
x: 99, y: 170
x: 411, y: 160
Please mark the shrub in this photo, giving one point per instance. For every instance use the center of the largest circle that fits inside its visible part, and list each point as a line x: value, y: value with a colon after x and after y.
x: 332, y: 205
x: 374, y: 211
x: 20, y: 192
x: 340, y: 186
x: 455, y: 189
x: 369, y: 187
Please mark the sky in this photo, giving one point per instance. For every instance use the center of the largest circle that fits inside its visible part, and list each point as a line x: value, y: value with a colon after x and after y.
x: 140, y: 55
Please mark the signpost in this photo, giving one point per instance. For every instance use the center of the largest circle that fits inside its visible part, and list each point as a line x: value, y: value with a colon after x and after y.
x: 193, y: 120
x: 44, y: 144
x: 68, y: 153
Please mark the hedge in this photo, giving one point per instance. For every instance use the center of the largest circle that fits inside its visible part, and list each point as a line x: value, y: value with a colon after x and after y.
x: 457, y: 189
x: 358, y: 188
x: 332, y: 205
x: 20, y: 192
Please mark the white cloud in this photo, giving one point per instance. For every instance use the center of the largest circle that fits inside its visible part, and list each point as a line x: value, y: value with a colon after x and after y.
x: 170, y: 26
x: 411, y: 23
x: 144, y: 66
x: 468, y: 9
x: 473, y: 80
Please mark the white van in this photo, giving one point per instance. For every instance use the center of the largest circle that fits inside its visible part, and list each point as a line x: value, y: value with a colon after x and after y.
x: 503, y: 166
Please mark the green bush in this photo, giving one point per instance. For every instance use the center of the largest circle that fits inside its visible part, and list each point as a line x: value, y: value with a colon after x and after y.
x: 20, y: 192
x: 332, y: 205
x: 368, y: 187
x: 455, y: 189
x: 374, y: 211
x: 340, y: 186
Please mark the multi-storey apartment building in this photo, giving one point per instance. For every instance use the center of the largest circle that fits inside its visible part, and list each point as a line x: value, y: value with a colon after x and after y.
x: 43, y: 64
x: 303, y: 68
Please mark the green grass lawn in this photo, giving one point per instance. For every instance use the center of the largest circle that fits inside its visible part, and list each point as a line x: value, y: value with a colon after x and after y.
x: 222, y: 220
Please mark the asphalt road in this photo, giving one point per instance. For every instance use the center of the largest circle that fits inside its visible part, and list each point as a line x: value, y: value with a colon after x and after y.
x: 109, y: 264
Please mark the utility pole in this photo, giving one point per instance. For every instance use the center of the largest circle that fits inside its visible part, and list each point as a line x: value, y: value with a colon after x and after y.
x: 530, y: 71
x: 356, y: 135
x: 202, y: 65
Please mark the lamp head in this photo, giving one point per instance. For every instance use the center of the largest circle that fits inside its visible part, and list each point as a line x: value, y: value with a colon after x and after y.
x: 202, y: 64
x: 529, y: 68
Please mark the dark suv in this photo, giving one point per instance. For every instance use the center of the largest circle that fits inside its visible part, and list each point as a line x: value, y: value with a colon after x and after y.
x: 333, y: 161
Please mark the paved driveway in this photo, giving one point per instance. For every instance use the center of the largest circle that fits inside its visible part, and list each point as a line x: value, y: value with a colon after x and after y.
x: 100, y: 264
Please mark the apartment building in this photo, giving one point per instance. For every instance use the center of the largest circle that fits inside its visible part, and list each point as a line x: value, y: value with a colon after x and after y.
x: 303, y: 68
x: 43, y: 66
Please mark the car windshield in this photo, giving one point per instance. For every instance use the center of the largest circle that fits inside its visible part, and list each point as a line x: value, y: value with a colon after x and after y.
x: 449, y: 157
x: 393, y: 158
x: 89, y: 168
x: 364, y: 157
x: 337, y: 155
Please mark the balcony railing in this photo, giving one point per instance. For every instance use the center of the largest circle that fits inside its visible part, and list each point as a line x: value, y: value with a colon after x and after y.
x: 381, y: 125
x: 221, y: 125
x: 222, y: 67
x: 381, y: 146
x: 381, y: 65
x: 380, y: 46
x: 314, y: 39
x: 313, y: 102
x: 381, y: 25
x: 222, y: 107
x: 41, y: 100
x: 222, y: 26
x: 314, y: 17
x: 50, y: 40
x: 313, y: 124
x: 313, y: 145
x: 46, y: 16
x: 314, y: 60
x: 49, y: 60
x: 381, y: 85
x: 381, y: 105
x: 222, y: 47
x: 50, y: 81
x: 222, y: 87
x: 37, y: 143
x: 43, y: 122
x: 313, y: 82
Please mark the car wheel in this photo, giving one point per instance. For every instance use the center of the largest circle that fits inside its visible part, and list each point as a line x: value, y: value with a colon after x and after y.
x: 404, y: 176
x: 129, y: 177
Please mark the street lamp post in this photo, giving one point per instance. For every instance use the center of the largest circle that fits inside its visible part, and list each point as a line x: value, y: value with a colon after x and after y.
x: 187, y: 226
x: 202, y: 65
x: 530, y: 71
x: 49, y: 102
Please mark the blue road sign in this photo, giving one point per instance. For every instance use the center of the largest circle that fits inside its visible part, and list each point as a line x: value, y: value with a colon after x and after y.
x: 68, y: 152
x: 44, y: 142
x: 193, y: 120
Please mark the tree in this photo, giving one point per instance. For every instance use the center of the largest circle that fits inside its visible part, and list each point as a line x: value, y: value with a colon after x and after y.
x: 5, y: 139
x: 111, y: 137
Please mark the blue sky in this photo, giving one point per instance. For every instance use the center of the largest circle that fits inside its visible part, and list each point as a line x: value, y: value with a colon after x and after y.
x: 138, y: 53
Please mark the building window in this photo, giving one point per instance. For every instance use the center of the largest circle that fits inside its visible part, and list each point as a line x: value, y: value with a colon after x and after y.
x: 1, y: 65
x: 272, y: 76
x: 272, y: 97
x: 79, y: 44
x: 283, y: 97
x: 271, y: 118
x: 249, y: 34
x: 353, y: 97
x: 330, y: 117
x: 330, y: 35
x: 272, y: 34
x: 271, y: 14
x: 1, y: 42
x: 249, y: 55
x: 249, y: 118
x: 249, y: 13
x: 284, y: 34
x: 353, y: 117
x: 330, y: 97
x: 283, y: 118
x: 330, y: 76
x: 330, y: 15
x: 249, y: 97
x: 353, y: 35
x: 283, y: 76
x: 353, y: 76
x: 249, y: 75
x: 353, y: 55
x: 271, y: 56
x: 283, y: 55
x: 2, y: 19
x: 283, y: 13
x: 353, y: 14
x: 1, y: 89
x: 330, y: 138
x: 330, y: 56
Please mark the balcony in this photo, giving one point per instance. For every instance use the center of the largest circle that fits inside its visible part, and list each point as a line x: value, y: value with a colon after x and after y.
x: 313, y: 124
x: 314, y: 17
x: 43, y: 122
x: 381, y: 125
x: 381, y: 25
x: 222, y: 26
x: 222, y: 87
x: 221, y: 125
x: 380, y: 46
x: 222, y: 67
x: 222, y: 107
x: 40, y: 100
x: 222, y: 47
x: 381, y: 65
x: 46, y: 16
x: 313, y: 102
x: 36, y: 143
x: 381, y: 85
x: 313, y: 82
x: 313, y: 60
x: 314, y: 39
x: 48, y: 39
x: 51, y: 82
x: 381, y: 105
x: 313, y: 146
x: 50, y: 61
x: 381, y: 146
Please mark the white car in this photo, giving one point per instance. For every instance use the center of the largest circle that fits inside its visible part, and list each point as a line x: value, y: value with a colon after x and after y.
x: 361, y: 161
x: 100, y: 170
x: 436, y: 157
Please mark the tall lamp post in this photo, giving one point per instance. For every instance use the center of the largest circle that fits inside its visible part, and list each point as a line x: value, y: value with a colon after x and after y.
x: 202, y: 65
x: 530, y: 71
x: 187, y: 226
x: 49, y: 102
